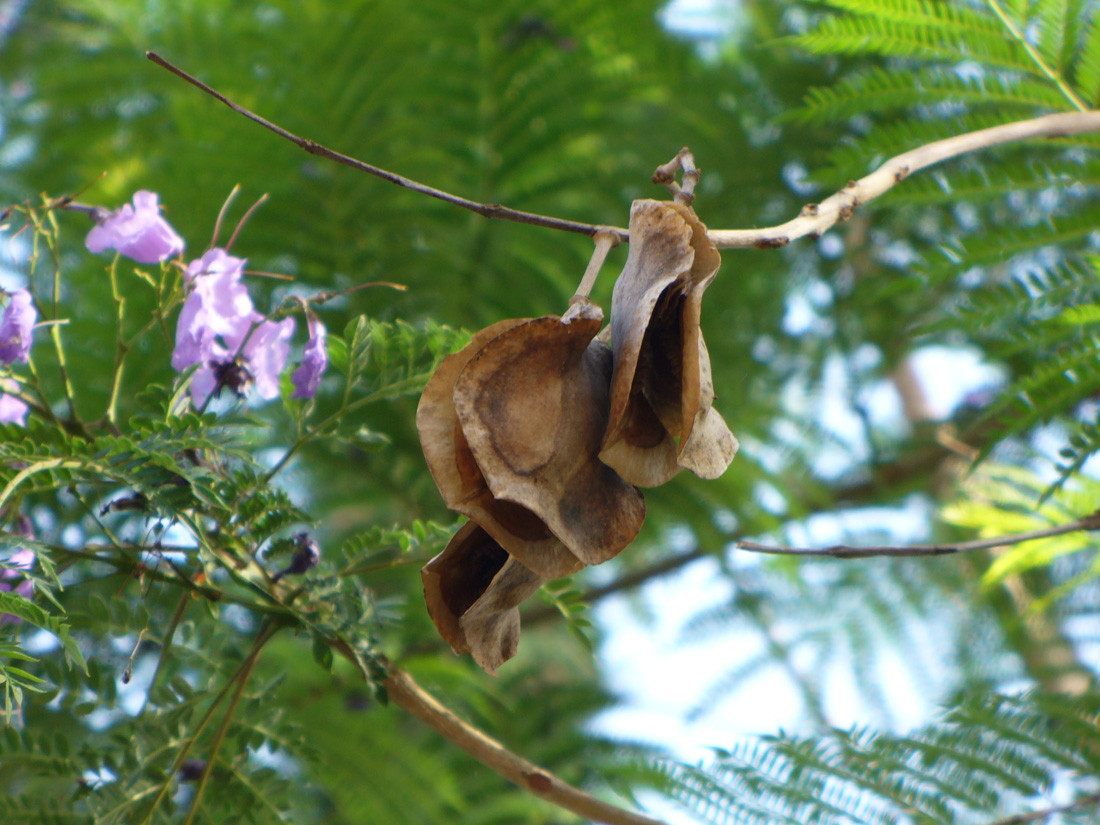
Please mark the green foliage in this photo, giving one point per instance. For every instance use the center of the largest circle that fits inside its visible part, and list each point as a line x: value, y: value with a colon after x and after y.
x: 165, y: 525
x: 990, y: 754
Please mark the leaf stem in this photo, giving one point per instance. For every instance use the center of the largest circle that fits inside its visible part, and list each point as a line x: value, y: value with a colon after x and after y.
x: 266, y: 632
x: 120, y: 346
x: 165, y: 645
x: 1053, y: 76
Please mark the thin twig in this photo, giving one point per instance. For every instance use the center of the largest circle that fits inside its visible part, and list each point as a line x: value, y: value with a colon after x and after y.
x: 1039, y: 816
x: 666, y: 176
x: 241, y: 673
x: 265, y: 634
x: 605, y: 242
x: 486, y: 210
x: 816, y: 218
x: 166, y: 645
x: 812, y: 222
x: 244, y: 220
x: 845, y: 551
x: 406, y: 693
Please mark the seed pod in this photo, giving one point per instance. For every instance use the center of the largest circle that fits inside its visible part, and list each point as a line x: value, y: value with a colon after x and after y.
x: 661, y: 419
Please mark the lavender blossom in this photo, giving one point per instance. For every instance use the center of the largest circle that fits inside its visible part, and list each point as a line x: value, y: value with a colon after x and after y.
x: 138, y: 232
x: 12, y: 409
x: 16, y: 328
x: 259, y: 364
x: 314, y: 361
x: 218, y: 305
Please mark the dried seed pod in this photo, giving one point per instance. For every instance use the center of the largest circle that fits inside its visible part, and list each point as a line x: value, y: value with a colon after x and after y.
x: 473, y: 590
x: 461, y: 483
x: 533, y: 406
x: 662, y: 389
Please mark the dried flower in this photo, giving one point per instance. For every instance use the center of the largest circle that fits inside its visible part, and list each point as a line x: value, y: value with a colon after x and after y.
x: 138, y: 232
x: 16, y: 328
x: 307, y: 555
x: 314, y: 361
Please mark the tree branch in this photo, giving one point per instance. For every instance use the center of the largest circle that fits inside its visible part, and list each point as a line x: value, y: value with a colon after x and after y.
x: 1039, y: 816
x: 486, y: 210
x: 813, y: 221
x: 845, y: 551
x: 815, y: 218
x: 406, y: 693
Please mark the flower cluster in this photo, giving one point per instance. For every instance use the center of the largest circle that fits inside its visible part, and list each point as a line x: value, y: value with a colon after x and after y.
x: 219, y: 329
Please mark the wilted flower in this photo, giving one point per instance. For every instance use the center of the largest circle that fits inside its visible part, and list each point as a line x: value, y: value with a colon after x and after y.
x: 16, y: 327
x: 12, y: 409
x: 314, y: 361
x: 307, y: 555
x: 138, y: 232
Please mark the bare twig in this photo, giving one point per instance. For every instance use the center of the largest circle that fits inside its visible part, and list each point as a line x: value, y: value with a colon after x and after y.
x: 813, y: 221
x: 486, y: 210
x: 406, y: 693
x: 606, y: 240
x: 816, y: 218
x: 845, y: 551
x: 666, y: 176
x: 1039, y: 816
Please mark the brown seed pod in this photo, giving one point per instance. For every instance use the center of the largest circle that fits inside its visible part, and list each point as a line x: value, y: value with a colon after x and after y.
x: 662, y: 390
x: 461, y: 483
x: 533, y: 406
x: 473, y: 590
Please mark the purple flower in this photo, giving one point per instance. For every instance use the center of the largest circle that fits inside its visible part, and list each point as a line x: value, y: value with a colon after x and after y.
x: 138, y: 232
x: 16, y: 328
x: 12, y: 409
x: 314, y: 361
x: 24, y: 560
x: 217, y: 306
x: 259, y: 363
x: 215, y: 320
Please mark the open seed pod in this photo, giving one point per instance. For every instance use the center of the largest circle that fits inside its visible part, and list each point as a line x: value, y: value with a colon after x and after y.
x: 661, y: 419
x: 533, y: 404
x: 461, y: 483
x: 473, y: 590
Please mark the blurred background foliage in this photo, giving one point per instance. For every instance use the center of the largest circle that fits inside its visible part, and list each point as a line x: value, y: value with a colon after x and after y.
x: 565, y: 109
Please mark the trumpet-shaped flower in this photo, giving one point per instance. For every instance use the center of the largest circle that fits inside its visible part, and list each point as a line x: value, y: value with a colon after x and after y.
x: 218, y: 305
x: 16, y: 328
x: 138, y: 232
x: 258, y: 363
x: 314, y: 362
